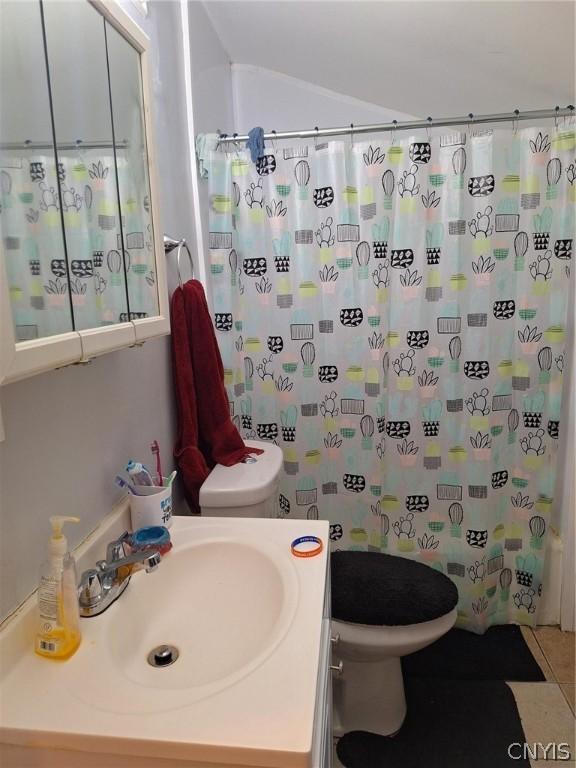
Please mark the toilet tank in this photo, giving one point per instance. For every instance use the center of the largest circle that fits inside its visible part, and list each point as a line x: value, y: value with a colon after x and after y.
x: 248, y: 489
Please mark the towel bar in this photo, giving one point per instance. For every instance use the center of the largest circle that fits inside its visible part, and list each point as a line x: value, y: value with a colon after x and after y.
x: 170, y: 244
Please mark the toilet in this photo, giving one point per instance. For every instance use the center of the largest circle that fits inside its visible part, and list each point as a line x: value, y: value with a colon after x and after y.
x: 383, y: 607
x: 248, y: 489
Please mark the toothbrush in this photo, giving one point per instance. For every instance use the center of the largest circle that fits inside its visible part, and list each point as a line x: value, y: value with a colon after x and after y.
x: 155, y: 448
x: 171, y: 478
x: 121, y: 483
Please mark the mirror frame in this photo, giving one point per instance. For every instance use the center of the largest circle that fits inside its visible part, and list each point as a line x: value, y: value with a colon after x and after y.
x: 19, y: 360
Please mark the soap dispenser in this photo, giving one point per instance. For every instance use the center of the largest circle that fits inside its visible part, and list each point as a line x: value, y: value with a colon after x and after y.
x: 58, y: 635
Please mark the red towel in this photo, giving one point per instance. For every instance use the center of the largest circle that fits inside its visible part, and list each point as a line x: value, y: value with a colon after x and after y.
x: 206, y: 434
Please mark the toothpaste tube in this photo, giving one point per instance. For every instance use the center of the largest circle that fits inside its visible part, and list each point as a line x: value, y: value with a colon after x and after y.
x: 138, y: 473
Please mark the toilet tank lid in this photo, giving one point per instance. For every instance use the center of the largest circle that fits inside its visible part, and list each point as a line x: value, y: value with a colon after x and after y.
x: 243, y: 484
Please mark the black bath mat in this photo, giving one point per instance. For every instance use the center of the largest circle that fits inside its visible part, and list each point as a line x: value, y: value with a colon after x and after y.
x: 501, y: 653
x: 450, y: 724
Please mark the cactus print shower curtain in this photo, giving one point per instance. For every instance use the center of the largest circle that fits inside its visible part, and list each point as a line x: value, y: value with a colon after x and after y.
x: 392, y: 314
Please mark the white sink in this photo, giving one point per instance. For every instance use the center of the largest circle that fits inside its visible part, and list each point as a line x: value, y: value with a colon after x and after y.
x: 224, y: 603
x: 245, y: 616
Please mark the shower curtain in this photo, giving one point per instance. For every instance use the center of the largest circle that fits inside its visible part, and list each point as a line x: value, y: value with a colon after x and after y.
x: 392, y: 314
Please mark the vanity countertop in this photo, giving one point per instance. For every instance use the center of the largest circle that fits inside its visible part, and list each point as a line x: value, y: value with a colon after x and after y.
x: 255, y: 709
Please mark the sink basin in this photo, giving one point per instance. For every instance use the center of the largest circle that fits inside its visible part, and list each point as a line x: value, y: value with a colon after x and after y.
x: 225, y: 604
x: 246, y: 618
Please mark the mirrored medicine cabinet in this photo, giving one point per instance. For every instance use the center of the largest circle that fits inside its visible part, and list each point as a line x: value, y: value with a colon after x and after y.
x: 81, y: 256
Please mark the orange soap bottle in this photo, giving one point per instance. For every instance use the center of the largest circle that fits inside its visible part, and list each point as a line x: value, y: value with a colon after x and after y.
x: 58, y: 635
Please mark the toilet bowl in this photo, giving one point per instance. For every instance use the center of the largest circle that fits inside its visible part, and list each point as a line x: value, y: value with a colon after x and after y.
x: 369, y: 694
x: 247, y: 489
x: 377, y: 592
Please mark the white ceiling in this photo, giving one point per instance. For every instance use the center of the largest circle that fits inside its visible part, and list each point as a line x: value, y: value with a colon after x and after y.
x: 423, y: 58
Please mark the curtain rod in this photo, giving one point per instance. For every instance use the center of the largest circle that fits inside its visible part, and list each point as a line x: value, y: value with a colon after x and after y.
x: 66, y: 145
x: 471, y: 119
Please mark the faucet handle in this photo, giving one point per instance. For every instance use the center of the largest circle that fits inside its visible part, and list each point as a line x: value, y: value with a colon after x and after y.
x: 116, y: 549
x: 90, y: 589
x: 101, y: 586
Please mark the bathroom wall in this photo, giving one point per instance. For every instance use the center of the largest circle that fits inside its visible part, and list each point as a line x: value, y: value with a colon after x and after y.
x: 210, y: 104
x: 211, y: 74
x: 564, y: 512
x: 435, y: 58
x: 69, y: 431
x: 283, y: 103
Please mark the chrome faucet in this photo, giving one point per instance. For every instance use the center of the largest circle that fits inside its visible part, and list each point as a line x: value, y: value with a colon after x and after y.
x: 101, y: 586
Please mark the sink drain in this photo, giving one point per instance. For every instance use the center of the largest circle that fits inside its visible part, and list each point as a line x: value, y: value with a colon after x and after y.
x: 163, y: 655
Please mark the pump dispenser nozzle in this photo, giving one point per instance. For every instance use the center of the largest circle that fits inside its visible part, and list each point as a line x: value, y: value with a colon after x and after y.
x: 58, y: 542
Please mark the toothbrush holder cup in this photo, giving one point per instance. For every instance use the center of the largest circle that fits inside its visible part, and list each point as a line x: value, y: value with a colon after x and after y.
x: 152, y: 506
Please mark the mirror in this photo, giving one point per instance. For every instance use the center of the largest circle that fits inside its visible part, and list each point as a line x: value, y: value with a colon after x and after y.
x: 78, y: 66
x: 133, y: 179
x: 76, y: 209
x: 30, y: 220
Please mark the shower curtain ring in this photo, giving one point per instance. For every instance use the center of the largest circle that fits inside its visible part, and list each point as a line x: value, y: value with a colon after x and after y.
x: 316, y: 138
x: 351, y: 135
x: 274, y: 140
x: 470, y: 121
x: 395, y: 126
x: 572, y: 116
x: 556, y: 109
x: 515, y: 121
x: 236, y: 146
x: 429, y: 129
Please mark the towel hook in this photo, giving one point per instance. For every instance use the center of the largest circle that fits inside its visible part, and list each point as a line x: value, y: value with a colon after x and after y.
x: 170, y: 244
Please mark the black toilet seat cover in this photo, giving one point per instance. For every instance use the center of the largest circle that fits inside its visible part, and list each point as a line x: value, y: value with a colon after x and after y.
x: 385, y: 590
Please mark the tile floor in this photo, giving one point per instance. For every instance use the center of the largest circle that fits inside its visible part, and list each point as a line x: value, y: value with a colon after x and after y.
x: 547, y: 708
